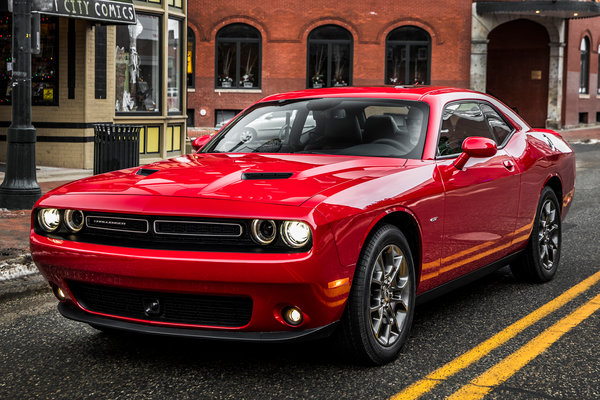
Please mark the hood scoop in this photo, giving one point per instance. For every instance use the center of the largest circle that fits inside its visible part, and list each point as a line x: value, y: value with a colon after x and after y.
x: 266, y: 175
x: 145, y: 171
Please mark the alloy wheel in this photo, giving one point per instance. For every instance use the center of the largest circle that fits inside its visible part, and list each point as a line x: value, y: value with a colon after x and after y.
x: 548, y: 235
x: 389, y: 295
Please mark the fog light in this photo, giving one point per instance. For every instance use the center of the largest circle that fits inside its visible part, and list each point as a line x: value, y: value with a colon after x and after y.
x: 59, y: 293
x: 292, y: 315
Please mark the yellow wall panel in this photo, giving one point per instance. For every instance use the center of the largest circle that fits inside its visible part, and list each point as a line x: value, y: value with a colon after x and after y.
x: 142, y: 139
x: 177, y: 137
x: 169, y: 138
x: 153, y: 142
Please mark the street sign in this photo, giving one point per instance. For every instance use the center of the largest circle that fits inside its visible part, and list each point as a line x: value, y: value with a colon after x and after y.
x: 107, y: 11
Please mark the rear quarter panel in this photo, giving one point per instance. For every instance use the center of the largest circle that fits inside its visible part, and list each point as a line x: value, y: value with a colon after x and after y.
x: 540, y: 155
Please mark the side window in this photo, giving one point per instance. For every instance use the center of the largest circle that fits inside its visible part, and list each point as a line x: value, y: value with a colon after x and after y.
x: 500, y: 128
x: 459, y: 121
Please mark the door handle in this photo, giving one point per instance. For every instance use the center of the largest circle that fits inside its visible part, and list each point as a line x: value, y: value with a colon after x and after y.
x: 509, y: 165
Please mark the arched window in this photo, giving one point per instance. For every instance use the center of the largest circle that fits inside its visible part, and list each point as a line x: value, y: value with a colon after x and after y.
x: 191, y: 58
x: 584, y: 66
x: 238, y: 57
x: 598, y: 90
x: 329, y: 57
x: 407, y: 56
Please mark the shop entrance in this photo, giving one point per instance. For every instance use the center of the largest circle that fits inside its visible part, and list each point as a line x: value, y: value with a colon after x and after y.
x: 517, y: 68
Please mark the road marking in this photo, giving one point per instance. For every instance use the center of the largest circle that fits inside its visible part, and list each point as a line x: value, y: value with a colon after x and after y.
x: 461, y: 362
x: 484, y: 383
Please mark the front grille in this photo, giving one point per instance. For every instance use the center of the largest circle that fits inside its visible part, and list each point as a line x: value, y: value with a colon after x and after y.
x: 167, y: 232
x: 197, y: 228
x: 191, y: 309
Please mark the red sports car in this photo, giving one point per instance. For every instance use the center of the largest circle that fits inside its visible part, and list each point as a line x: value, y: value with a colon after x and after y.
x: 311, y: 213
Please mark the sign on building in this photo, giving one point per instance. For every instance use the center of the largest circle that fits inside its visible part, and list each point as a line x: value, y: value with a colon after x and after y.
x: 108, y: 11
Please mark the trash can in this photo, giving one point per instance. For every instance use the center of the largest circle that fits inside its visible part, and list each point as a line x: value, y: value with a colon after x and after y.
x: 116, y: 147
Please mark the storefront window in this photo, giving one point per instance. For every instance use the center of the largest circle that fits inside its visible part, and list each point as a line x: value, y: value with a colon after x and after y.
x: 44, y: 66
x: 137, y: 56
x: 191, y: 54
x: 238, y: 57
x: 407, y: 56
x: 329, y: 57
x: 174, y: 67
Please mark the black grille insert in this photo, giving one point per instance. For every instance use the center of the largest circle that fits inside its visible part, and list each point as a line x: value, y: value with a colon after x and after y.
x: 164, y: 307
x: 164, y: 227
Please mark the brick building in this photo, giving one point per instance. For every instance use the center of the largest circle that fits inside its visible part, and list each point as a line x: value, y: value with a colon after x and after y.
x: 582, y: 86
x: 526, y: 53
x: 431, y: 39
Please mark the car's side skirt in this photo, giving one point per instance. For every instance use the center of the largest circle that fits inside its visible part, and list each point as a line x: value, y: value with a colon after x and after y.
x: 466, y: 279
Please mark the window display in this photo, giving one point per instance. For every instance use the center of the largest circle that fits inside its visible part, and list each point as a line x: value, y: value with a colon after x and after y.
x: 44, y: 66
x: 238, y: 57
x: 407, y: 56
x: 329, y: 57
x: 174, y: 67
x: 138, y: 66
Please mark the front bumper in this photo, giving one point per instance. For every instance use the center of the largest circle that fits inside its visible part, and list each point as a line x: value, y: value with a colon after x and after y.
x: 272, y: 281
x: 75, y: 313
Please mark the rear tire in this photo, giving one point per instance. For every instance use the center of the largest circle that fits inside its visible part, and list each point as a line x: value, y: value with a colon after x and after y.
x: 379, y: 313
x: 540, y: 260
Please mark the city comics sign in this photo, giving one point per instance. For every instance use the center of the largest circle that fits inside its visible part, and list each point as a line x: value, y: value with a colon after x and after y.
x: 109, y: 11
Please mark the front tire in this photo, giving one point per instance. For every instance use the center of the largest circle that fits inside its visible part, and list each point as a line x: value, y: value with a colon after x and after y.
x: 380, y: 308
x: 542, y: 254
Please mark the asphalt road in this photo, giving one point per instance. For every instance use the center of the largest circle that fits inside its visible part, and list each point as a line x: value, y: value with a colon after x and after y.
x: 43, y: 355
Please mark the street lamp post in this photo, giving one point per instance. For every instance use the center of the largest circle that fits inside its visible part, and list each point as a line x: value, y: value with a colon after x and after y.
x: 20, y: 188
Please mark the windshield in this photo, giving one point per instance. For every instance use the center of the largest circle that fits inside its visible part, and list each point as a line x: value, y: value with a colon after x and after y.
x: 341, y: 126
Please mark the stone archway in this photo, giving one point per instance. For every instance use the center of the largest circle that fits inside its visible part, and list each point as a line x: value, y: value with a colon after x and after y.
x: 518, y: 61
x: 481, y: 27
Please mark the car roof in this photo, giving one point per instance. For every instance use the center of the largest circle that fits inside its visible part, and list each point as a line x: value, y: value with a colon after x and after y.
x: 393, y: 92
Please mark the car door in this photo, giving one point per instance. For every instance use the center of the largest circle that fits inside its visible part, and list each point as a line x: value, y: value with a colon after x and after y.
x: 481, y: 200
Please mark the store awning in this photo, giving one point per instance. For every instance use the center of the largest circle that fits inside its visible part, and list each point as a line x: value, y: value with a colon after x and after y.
x: 557, y: 8
x: 105, y: 11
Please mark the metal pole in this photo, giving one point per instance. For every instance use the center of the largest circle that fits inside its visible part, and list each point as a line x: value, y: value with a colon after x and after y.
x: 20, y: 189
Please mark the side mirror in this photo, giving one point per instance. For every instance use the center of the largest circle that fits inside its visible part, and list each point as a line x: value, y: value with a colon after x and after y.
x: 200, y: 141
x: 475, y: 146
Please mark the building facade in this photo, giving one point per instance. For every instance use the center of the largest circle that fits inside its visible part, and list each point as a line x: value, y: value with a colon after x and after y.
x: 528, y: 54
x: 243, y: 50
x: 539, y: 57
x: 89, y: 73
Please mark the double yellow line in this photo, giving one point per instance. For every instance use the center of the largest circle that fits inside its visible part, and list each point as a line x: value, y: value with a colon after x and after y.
x: 484, y: 383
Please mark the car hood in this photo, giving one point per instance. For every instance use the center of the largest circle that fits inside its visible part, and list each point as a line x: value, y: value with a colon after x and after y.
x: 269, y: 178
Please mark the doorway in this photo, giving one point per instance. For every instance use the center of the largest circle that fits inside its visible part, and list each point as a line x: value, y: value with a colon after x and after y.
x: 518, y: 63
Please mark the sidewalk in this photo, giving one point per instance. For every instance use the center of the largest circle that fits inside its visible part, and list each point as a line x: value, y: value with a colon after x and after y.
x: 15, y: 261
x: 581, y: 135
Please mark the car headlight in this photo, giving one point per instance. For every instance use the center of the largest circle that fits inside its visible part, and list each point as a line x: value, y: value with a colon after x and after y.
x: 295, y: 233
x: 263, y: 231
x: 49, y: 219
x: 74, y: 220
